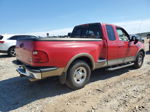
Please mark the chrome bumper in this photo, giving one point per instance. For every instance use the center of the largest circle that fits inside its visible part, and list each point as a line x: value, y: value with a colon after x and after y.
x: 25, y: 72
x: 39, y: 73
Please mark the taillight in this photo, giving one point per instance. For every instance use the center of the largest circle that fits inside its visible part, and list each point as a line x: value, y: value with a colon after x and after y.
x: 2, y: 41
x: 39, y: 57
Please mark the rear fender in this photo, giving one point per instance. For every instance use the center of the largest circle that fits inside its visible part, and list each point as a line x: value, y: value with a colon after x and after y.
x: 79, y: 56
x: 63, y: 77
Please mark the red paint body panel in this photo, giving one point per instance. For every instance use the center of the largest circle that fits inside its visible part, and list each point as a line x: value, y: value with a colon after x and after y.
x: 60, y: 52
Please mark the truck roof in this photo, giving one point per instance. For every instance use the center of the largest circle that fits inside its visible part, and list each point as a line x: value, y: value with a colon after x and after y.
x: 96, y: 23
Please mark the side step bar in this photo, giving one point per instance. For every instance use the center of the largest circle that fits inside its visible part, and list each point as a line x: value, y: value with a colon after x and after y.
x: 119, y: 67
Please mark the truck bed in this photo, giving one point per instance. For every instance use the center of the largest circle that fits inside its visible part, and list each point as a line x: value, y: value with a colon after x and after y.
x: 56, y: 49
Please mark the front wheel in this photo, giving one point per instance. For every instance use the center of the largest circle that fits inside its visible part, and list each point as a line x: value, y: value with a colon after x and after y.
x: 139, y: 60
x: 78, y: 75
x: 11, y: 52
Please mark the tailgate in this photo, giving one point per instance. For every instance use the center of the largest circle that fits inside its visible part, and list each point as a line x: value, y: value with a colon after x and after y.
x: 24, y: 49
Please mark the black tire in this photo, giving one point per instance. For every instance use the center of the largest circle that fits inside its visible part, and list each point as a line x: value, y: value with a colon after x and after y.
x: 78, y: 75
x: 11, y: 52
x: 139, y: 60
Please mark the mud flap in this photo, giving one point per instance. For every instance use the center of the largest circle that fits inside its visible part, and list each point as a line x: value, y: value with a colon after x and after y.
x: 62, y: 78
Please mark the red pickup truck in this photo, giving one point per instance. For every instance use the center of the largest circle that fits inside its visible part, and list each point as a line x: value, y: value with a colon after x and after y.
x: 88, y: 47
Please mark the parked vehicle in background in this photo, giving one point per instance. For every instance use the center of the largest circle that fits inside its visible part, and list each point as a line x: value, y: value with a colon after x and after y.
x: 89, y: 47
x: 8, y: 43
x: 148, y: 37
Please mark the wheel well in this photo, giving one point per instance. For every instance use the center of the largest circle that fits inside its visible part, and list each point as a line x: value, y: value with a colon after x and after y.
x: 11, y: 47
x: 142, y: 51
x: 85, y: 59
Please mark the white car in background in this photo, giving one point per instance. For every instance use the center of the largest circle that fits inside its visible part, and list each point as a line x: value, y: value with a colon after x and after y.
x: 8, y: 43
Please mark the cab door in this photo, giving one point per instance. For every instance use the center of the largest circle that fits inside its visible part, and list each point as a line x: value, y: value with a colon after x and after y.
x: 113, y: 46
x: 127, y: 49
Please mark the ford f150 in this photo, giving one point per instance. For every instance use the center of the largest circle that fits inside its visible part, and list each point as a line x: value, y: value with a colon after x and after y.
x: 88, y: 47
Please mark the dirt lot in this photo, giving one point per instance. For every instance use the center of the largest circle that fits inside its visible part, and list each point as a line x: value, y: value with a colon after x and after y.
x: 124, y: 90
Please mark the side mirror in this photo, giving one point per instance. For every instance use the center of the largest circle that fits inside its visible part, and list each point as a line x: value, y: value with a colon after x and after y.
x: 148, y: 36
x: 134, y: 38
x: 69, y: 34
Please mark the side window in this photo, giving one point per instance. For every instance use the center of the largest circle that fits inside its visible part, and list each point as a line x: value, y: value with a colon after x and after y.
x: 110, y: 32
x: 122, y: 35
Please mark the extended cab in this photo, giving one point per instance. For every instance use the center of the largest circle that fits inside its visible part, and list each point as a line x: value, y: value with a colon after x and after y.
x: 89, y: 47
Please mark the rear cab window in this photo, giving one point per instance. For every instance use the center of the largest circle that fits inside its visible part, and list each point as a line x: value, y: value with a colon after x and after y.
x: 87, y: 31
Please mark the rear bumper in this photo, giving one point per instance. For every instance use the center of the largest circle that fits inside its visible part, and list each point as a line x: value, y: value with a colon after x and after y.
x: 39, y: 73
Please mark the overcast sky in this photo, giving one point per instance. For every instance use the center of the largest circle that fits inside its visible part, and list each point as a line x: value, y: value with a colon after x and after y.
x: 60, y: 16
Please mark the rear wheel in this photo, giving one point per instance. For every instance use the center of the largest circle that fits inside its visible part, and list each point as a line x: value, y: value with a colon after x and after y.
x: 11, y: 52
x: 78, y: 75
x: 139, y: 60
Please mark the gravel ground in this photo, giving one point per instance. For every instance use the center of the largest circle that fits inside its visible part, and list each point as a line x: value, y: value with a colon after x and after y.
x: 124, y: 90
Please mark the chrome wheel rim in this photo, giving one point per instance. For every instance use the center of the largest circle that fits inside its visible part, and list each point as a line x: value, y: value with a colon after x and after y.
x: 12, y: 52
x: 80, y: 75
x: 140, y: 59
